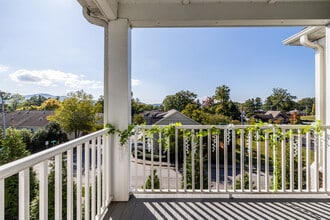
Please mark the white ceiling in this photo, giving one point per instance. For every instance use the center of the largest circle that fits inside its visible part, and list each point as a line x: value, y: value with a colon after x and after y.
x: 206, y: 13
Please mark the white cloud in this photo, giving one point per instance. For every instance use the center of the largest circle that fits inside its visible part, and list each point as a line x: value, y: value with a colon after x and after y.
x: 3, y: 68
x: 54, y: 78
x: 136, y: 82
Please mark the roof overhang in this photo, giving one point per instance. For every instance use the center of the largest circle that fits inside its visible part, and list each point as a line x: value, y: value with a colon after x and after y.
x: 313, y: 33
x: 212, y: 13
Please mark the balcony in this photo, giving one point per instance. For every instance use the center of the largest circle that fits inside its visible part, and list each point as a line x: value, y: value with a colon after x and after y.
x: 181, y: 171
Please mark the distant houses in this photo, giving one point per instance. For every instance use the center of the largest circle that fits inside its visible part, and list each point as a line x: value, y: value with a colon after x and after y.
x: 32, y: 120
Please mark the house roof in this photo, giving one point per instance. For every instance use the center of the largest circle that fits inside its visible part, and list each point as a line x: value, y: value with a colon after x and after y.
x: 274, y: 114
x: 174, y: 116
x: 26, y: 119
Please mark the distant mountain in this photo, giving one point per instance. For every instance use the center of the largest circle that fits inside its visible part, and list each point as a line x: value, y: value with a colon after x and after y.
x: 48, y: 96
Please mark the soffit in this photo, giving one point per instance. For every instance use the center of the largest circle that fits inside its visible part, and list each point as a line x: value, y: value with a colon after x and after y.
x: 205, y: 13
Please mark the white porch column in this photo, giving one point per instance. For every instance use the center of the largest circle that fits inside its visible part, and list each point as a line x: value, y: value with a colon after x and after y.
x: 327, y: 111
x: 117, y: 98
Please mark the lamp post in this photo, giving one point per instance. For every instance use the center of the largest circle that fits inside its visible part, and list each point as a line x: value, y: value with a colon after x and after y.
x: 3, y: 113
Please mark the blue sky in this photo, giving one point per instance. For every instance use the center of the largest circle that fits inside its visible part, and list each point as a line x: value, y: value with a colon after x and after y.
x: 46, y: 46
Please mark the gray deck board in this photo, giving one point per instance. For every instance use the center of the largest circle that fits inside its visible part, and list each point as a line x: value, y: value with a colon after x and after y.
x: 220, y: 208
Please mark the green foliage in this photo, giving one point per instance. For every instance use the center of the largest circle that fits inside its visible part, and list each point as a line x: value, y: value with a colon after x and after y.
x: 13, y: 148
x: 138, y: 119
x: 179, y: 100
x: 280, y: 100
x: 124, y: 135
x: 306, y: 104
x: 156, y: 181
x: 77, y: 114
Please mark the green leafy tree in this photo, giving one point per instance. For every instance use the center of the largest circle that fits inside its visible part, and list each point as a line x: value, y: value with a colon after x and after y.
x: 252, y: 105
x: 15, y: 101
x: 77, y: 114
x: 222, y: 94
x: 156, y: 183
x: 179, y: 100
x: 306, y: 105
x: 99, y: 105
x: 13, y: 148
x: 280, y: 100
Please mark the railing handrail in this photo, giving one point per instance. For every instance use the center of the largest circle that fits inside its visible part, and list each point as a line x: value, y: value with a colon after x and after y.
x: 16, y: 166
x: 232, y: 126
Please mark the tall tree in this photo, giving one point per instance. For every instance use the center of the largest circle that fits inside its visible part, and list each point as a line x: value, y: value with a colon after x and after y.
x: 280, y: 100
x: 222, y: 94
x: 179, y: 100
x: 77, y: 114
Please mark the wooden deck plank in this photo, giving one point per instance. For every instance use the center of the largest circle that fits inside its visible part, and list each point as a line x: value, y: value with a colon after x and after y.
x: 215, y: 208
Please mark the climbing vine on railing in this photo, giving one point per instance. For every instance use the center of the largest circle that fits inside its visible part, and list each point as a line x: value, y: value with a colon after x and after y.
x: 124, y: 135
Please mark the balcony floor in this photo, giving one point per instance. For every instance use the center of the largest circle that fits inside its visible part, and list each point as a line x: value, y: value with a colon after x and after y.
x: 248, y: 207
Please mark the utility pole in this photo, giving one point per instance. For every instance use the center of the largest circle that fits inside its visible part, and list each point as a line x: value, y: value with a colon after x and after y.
x: 3, y: 113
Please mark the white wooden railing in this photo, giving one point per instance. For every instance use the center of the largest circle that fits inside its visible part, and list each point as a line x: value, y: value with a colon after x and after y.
x: 212, y: 159
x: 86, y: 161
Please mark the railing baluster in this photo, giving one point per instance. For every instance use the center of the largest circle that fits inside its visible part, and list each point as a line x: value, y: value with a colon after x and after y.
x: 324, y: 165
x: 201, y: 161
x: 192, y: 164
x: 209, y: 139
x: 283, y: 160
x: 58, y: 187
x: 242, y: 163
x: 160, y: 163
x: 87, y: 199
x: 99, y: 176
x: 69, y: 202
x: 233, y: 159
x: 24, y: 194
x: 308, y: 167
x: 2, y: 199
x: 93, y: 175
x: 104, y: 174
x: 168, y: 163
x: 267, y: 161
x: 152, y: 166
x: 225, y: 166
x: 258, y: 161
x: 291, y: 163
x: 316, y: 160
x: 43, y: 190
x: 217, y: 167
x: 136, y: 160
x: 176, y: 160
x: 144, y: 162
x: 300, y: 171
x: 79, y: 182
x: 185, y: 140
x: 250, y: 161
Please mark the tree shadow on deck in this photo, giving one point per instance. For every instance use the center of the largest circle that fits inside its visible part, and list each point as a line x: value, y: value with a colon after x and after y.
x: 220, y: 208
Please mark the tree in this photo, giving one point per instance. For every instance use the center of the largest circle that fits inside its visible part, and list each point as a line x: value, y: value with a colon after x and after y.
x: 222, y: 94
x: 38, y: 141
x: 77, y: 114
x: 252, y: 105
x: 15, y: 101
x: 280, y: 100
x: 50, y: 104
x: 99, y: 105
x: 306, y: 105
x: 179, y: 100
x: 34, y: 102
x: 11, y: 149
